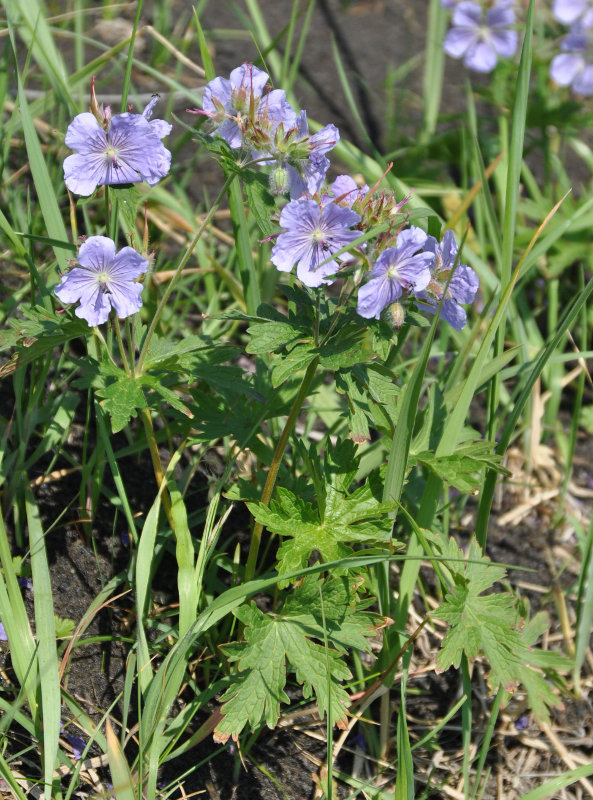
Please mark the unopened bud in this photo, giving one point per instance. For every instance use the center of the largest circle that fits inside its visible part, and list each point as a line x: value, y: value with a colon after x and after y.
x: 279, y: 181
x: 396, y: 315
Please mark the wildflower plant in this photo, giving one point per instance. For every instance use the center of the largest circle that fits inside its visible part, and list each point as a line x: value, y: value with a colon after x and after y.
x: 323, y: 387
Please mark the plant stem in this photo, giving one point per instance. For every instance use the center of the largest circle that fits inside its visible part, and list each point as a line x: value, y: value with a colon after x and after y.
x: 275, y: 465
x: 184, y: 259
x: 120, y: 344
x: 156, y: 462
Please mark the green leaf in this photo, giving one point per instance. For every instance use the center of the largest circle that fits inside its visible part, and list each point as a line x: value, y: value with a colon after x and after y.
x: 64, y: 627
x: 490, y: 625
x: 338, y: 520
x: 299, y: 358
x: 121, y: 401
x: 349, y: 347
x: 275, y: 644
x: 462, y: 469
x: 266, y: 337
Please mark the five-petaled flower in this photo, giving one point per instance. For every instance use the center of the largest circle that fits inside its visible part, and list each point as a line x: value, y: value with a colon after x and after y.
x: 103, y: 280
x: 462, y: 286
x: 397, y: 269
x: 313, y: 234
x: 126, y: 148
x: 480, y: 37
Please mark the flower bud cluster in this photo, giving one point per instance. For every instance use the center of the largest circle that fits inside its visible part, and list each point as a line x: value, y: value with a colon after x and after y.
x: 321, y: 223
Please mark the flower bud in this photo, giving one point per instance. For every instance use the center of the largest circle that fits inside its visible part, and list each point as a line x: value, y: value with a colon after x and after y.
x: 396, y: 315
x: 279, y: 182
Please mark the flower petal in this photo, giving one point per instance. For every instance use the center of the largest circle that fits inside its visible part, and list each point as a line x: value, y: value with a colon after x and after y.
x: 565, y: 67
x: 376, y: 295
x: 85, y: 135
x: 467, y: 15
x: 83, y: 173
x: 481, y: 57
x: 97, y: 253
x: 583, y: 83
x: 458, y: 40
x: 505, y: 42
x: 464, y: 284
x: 409, y: 242
x: 94, y: 306
x: 454, y: 314
x: 125, y: 297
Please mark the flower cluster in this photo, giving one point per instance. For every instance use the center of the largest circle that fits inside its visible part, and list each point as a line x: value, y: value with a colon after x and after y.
x: 323, y: 227
x: 481, y: 33
x: 320, y: 224
x: 111, y: 149
x: 573, y: 67
x: 251, y: 116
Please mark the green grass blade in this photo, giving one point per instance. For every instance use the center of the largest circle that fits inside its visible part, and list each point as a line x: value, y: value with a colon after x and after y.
x: 36, y: 34
x: 46, y: 195
x: 47, y: 656
x: 513, y: 179
x: 16, y: 623
x: 143, y: 577
x: 121, y: 777
x: 554, y: 787
x: 434, y: 67
x: 404, y: 782
x: 130, y: 59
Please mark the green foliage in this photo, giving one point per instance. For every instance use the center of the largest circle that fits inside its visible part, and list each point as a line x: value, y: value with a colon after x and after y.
x: 339, y: 518
x: 294, y: 640
x: 491, y: 626
x: 463, y: 469
x: 40, y: 332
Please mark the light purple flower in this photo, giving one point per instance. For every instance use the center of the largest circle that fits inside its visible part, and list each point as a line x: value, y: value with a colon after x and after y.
x: 103, y: 280
x: 462, y: 287
x: 346, y: 191
x: 306, y: 176
x: 570, y: 11
x: 574, y: 67
x: 313, y: 233
x: 126, y: 149
x: 397, y: 269
x: 3, y: 636
x: 481, y: 37
x: 225, y: 101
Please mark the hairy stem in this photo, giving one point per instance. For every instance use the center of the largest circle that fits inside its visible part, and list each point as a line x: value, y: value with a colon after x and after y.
x: 275, y: 465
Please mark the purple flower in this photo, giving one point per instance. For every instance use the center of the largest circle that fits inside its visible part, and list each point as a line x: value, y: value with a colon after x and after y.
x: 127, y: 148
x: 103, y: 280
x: 77, y: 743
x: 307, y: 175
x: 569, y: 11
x: 3, y: 636
x: 462, y: 287
x: 397, y: 269
x: 574, y: 67
x: 313, y: 233
x: 346, y: 191
x: 480, y: 38
x: 225, y: 101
